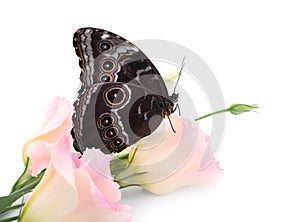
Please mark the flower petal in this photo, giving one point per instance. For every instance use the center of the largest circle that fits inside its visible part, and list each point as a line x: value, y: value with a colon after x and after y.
x: 39, y: 154
x: 63, y: 161
x: 97, y: 164
x: 57, y: 123
x: 57, y: 112
x: 211, y: 174
x: 93, y: 205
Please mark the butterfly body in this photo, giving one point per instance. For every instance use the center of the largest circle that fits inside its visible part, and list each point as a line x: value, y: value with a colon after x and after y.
x: 122, y: 97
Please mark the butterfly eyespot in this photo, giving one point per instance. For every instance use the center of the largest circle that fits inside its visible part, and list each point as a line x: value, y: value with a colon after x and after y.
x: 104, y: 46
x: 115, y: 96
x: 111, y: 133
x: 105, y: 78
x: 107, y: 65
x: 119, y: 141
x: 105, y: 121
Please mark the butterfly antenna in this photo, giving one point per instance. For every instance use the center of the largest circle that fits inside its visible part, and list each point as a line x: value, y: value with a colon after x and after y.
x: 180, y: 72
x: 171, y: 125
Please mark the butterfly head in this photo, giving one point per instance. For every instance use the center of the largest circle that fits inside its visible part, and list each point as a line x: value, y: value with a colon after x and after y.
x: 173, y: 102
x: 174, y: 98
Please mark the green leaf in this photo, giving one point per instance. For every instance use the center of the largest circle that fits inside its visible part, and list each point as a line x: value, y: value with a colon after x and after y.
x: 117, y: 165
x: 10, y: 219
x: 7, y: 201
x: 23, y: 179
x: 122, y: 155
x: 121, y: 182
x: 27, y: 186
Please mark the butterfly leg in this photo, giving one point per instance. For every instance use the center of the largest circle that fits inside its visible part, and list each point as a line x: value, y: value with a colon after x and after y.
x: 177, y: 106
x: 171, y: 124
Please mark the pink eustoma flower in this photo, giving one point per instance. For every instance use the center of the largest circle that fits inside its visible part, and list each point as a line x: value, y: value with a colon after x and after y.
x: 73, y: 189
x: 166, y: 161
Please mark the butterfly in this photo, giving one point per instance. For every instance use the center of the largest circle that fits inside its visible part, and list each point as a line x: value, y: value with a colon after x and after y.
x: 122, y: 97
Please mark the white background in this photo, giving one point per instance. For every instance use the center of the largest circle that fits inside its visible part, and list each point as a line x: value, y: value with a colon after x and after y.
x: 253, y: 49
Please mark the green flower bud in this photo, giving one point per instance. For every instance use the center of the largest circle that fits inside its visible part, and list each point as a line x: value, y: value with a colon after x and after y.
x: 237, y: 109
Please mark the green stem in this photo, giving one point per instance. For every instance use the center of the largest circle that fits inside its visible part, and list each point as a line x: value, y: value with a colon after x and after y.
x: 14, y: 207
x: 213, y: 113
x: 235, y: 109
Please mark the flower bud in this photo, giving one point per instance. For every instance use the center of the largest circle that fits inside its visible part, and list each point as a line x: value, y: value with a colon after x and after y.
x: 237, y: 109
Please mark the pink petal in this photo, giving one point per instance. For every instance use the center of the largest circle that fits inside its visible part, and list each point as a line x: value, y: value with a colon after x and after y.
x: 93, y: 205
x: 97, y: 164
x: 211, y: 174
x: 57, y: 123
x: 56, y: 134
x: 39, y: 154
x: 58, y: 111
x: 63, y: 160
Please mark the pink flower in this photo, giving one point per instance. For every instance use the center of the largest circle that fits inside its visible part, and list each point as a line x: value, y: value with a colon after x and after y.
x: 166, y: 161
x: 73, y: 189
x: 57, y: 123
